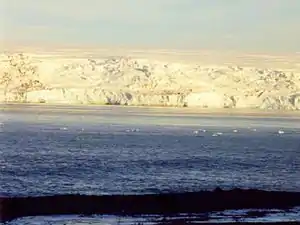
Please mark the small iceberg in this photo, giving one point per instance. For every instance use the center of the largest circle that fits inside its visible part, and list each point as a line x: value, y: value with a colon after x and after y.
x: 217, y: 134
x: 132, y: 130
x: 198, y: 131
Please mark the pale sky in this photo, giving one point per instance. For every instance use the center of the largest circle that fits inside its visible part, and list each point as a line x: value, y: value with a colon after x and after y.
x: 267, y: 25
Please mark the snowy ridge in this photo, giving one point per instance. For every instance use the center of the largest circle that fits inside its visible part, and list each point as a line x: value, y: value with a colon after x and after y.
x: 135, y: 81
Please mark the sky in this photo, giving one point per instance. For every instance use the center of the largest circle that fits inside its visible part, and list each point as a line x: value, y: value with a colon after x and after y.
x: 257, y: 25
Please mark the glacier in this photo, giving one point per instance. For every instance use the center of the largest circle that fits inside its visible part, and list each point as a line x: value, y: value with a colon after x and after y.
x: 138, y: 81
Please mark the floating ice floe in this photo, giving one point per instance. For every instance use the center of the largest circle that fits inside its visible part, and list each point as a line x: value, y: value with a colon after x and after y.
x: 198, y: 131
x: 217, y: 134
x: 132, y: 130
x: 253, y: 129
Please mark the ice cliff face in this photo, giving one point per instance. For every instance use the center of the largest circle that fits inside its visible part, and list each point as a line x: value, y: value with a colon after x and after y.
x: 127, y: 81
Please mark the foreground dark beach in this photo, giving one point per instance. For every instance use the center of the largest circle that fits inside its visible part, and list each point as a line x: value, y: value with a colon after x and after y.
x: 225, y: 223
x: 168, y: 204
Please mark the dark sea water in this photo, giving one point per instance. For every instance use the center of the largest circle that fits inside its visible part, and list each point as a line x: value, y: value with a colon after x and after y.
x: 113, y: 150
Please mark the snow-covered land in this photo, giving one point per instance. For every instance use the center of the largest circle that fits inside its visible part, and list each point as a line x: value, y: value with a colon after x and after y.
x: 148, y: 81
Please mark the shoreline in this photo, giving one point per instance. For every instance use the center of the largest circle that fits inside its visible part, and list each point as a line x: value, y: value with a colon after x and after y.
x: 157, y: 110
x: 165, y: 204
x: 229, y: 223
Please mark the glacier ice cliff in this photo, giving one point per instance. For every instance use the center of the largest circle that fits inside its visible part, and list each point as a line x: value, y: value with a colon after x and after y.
x: 145, y: 82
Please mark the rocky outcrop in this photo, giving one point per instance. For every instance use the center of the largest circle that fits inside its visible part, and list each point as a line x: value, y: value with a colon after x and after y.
x: 127, y: 81
x: 18, y: 76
